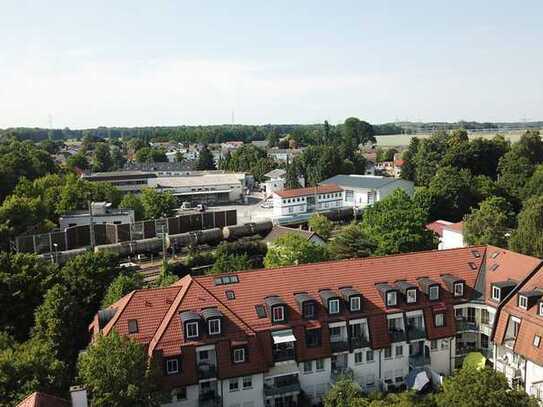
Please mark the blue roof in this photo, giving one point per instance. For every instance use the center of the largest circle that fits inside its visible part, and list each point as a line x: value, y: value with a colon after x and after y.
x: 366, y: 182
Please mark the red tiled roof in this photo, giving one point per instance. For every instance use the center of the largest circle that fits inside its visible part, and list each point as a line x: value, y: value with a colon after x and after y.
x: 321, y: 189
x: 38, y: 399
x: 437, y: 226
x: 457, y: 227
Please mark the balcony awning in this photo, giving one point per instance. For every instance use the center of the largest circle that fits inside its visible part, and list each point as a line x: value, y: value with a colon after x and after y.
x: 283, y: 336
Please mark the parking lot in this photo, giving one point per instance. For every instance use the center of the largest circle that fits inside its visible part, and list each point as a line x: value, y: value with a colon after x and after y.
x: 250, y: 212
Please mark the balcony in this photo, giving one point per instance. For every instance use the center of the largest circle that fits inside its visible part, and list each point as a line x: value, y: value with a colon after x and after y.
x: 206, y: 370
x: 463, y: 348
x: 358, y: 342
x: 292, y: 385
x: 209, y: 399
x: 465, y: 325
x: 396, y: 335
x: 282, y: 355
x: 340, y: 372
x: 416, y: 332
x: 339, y: 345
x: 419, y: 360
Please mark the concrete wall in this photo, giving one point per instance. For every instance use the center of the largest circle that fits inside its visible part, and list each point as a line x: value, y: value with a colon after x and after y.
x: 315, y: 382
x: 249, y: 397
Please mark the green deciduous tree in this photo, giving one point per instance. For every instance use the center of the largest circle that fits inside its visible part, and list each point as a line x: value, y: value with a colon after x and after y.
x: 292, y: 249
x: 78, y: 160
x: 515, y: 170
x: 351, y: 241
x: 28, y: 367
x: 250, y: 159
x: 409, y: 167
x: 24, y: 280
x: 116, y: 372
x: 205, y: 160
x: 132, y: 201
x: 77, y: 193
x: 102, y: 160
x: 321, y: 225
x: 534, y: 184
x: 157, y: 204
x: 150, y: 155
x: 470, y: 387
x: 489, y: 223
x: 429, y: 154
x: 528, y: 236
x: 122, y: 285
x: 344, y: 393
x: 230, y: 263
x: 397, y: 225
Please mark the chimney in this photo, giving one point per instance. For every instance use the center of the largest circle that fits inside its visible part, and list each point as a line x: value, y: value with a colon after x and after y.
x: 79, y: 396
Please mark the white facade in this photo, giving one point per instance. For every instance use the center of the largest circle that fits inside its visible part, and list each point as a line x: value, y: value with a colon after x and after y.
x: 102, y: 213
x: 452, y: 238
x: 306, y: 203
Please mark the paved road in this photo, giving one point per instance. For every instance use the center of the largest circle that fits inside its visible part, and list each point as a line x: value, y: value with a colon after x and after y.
x: 251, y: 212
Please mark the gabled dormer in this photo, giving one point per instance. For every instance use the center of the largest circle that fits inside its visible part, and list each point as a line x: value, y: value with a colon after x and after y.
x: 331, y: 301
x: 389, y: 293
x: 431, y: 288
x: 409, y: 291
x: 527, y: 299
x: 277, y: 309
x: 455, y: 285
x: 192, y: 325
x: 307, y: 305
x: 500, y: 289
x: 352, y: 298
x: 214, y: 321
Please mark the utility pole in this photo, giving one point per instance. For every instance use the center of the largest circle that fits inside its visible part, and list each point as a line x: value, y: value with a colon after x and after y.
x: 91, y: 227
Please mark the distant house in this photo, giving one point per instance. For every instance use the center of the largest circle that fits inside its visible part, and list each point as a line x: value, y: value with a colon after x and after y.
x: 307, y: 200
x: 275, y: 180
x: 363, y: 190
x: 287, y: 154
x: 451, y: 235
x: 278, y: 231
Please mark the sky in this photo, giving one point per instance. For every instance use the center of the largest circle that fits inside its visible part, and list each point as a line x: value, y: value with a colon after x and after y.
x: 82, y: 64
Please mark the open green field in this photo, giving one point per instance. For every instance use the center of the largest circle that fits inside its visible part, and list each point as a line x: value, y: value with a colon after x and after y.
x: 403, y: 139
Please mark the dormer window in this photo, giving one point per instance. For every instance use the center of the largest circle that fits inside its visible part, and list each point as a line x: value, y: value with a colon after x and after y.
x: 309, y: 310
x: 354, y: 304
x: 541, y: 309
x: 238, y: 355
x: 496, y: 293
x: 411, y: 296
x: 191, y: 330
x: 132, y: 326
x: 278, y: 313
x: 214, y: 326
x: 333, y: 306
x: 523, y: 302
x: 439, y: 320
x: 433, y: 293
x: 459, y: 289
x: 392, y: 299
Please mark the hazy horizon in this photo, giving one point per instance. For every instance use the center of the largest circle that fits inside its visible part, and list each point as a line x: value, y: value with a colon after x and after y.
x: 129, y: 64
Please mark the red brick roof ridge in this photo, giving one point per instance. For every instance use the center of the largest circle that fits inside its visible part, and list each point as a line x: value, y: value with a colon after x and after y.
x: 169, y: 315
x: 352, y: 259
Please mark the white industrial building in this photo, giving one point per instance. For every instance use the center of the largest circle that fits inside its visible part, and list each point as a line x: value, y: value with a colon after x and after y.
x: 99, y: 213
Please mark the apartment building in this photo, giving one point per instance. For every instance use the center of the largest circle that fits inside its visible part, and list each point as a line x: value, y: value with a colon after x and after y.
x: 299, y: 201
x: 275, y: 337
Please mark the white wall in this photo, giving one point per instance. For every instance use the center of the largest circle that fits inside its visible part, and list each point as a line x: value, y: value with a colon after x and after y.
x: 440, y: 358
x: 451, y: 239
x: 191, y: 401
x: 315, y: 382
x: 534, y: 374
x: 252, y: 397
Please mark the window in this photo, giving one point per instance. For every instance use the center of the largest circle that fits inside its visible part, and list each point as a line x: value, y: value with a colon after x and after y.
x: 439, y: 320
x: 308, y: 367
x: 458, y: 289
x: 179, y: 394
x: 203, y: 355
x: 319, y: 365
x: 485, y: 317
x: 369, y: 356
x: 354, y: 304
x: 333, y: 306
x: 233, y: 384
x: 541, y: 308
x: 358, y: 358
x: 132, y: 326
x: 247, y: 382
x: 192, y: 329
x: 388, y: 352
x: 433, y: 344
x: 399, y: 351
x: 537, y: 341
x: 335, y: 332
x: 172, y: 366
x: 391, y: 298
x: 496, y: 293
x: 433, y: 293
x: 239, y: 355
x: 278, y: 314
x: 309, y: 310
x: 411, y: 296
x: 523, y: 301
x: 230, y: 295
x: 312, y: 338
x: 444, y: 344
x: 214, y: 326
